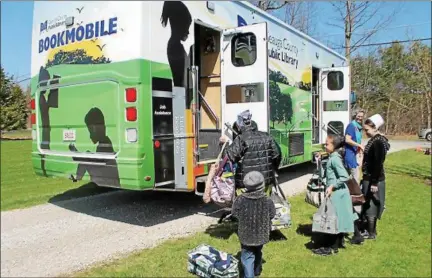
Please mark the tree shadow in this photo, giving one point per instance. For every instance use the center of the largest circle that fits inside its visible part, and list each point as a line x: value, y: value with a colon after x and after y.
x: 141, y: 208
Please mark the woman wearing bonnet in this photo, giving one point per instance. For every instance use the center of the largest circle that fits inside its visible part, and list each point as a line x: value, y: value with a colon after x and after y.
x: 373, y: 173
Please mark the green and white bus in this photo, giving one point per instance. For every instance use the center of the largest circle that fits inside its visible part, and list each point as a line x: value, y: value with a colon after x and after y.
x: 135, y: 95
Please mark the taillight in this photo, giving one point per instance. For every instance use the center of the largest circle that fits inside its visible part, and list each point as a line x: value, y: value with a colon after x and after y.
x: 33, y: 104
x: 131, y: 95
x: 33, y: 118
x: 131, y: 114
x: 157, y: 144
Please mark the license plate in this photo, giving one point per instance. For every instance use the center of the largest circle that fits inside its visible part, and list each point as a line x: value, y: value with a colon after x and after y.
x: 69, y: 135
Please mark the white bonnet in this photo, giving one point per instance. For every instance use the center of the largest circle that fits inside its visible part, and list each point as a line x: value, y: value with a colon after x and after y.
x: 377, y: 119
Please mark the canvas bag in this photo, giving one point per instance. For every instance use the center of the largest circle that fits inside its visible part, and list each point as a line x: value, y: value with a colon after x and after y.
x: 219, y: 189
x: 315, y: 190
x: 222, y: 191
x: 206, y: 261
x: 325, y: 219
x: 315, y: 194
x: 282, y: 218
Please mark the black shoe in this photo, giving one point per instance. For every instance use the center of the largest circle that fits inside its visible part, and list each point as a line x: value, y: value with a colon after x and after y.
x: 357, y: 240
x: 371, y: 236
x: 365, y: 234
x: 342, y: 243
x: 323, y: 251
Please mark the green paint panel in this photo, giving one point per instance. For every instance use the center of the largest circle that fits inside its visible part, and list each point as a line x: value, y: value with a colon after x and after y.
x: 101, y: 86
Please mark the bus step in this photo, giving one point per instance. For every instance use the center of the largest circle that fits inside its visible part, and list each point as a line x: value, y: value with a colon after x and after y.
x: 200, y: 185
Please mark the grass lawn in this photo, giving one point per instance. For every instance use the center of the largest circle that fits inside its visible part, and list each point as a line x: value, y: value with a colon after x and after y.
x: 403, y: 247
x: 403, y: 137
x: 20, y: 187
x: 18, y: 134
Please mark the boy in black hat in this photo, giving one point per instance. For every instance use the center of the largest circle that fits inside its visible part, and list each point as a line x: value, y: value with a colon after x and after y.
x: 254, y: 211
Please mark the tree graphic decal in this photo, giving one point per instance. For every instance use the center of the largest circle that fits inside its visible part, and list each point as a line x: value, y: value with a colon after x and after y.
x: 281, y: 109
x: 78, y: 56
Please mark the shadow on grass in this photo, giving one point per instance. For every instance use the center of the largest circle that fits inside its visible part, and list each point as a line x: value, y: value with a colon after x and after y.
x: 316, y: 239
x: 420, y: 173
x: 227, y: 229
x: 305, y: 230
x: 277, y: 235
x: 224, y: 230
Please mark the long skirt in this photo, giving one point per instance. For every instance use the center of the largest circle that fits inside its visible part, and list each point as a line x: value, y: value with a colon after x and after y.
x: 375, y: 202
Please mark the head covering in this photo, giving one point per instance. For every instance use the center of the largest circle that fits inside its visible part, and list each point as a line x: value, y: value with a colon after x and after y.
x: 244, y: 118
x: 254, y: 181
x: 377, y: 120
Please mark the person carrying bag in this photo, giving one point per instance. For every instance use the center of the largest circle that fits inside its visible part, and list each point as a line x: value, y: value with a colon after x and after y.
x: 335, y: 217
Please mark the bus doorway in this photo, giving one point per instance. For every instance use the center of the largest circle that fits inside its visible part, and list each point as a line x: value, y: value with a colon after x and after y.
x: 207, y: 92
x: 315, y: 106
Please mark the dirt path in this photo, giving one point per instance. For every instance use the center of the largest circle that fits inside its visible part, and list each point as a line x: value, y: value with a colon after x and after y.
x: 68, y: 236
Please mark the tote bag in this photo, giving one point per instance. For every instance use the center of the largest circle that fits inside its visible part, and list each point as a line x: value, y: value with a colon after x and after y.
x: 325, y: 219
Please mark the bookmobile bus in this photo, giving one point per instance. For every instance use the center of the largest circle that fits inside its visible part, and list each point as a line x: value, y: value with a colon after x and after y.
x: 135, y: 95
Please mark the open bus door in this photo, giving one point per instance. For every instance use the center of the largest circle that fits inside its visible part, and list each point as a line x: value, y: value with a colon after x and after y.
x: 244, y: 72
x: 335, y: 101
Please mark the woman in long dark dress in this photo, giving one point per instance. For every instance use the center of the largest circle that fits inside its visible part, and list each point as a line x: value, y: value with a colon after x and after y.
x: 180, y: 20
x: 373, y: 174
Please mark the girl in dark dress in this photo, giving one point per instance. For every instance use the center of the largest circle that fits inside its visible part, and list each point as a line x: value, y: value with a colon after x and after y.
x: 180, y: 20
x: 373, y: 174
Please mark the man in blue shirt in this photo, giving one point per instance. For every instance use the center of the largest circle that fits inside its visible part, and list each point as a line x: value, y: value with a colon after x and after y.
x: 353, y: 146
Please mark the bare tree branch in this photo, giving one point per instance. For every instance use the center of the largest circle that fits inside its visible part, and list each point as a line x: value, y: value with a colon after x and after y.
x: 355, y: 15
x: 270, y: 5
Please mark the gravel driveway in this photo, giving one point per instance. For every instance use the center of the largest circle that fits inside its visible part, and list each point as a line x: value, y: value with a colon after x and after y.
x: 63, y: 237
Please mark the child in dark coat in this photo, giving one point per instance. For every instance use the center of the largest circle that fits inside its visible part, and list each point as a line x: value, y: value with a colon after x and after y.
x: 254, y: 211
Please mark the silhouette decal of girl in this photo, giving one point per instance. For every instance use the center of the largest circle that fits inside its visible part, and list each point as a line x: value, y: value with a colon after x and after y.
x: 180, y: 20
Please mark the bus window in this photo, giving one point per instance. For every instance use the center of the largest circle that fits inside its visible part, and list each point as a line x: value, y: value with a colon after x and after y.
x: 243, y: 50
x: 244, y: 93
x: 335, y: 80
x: 335, y: 128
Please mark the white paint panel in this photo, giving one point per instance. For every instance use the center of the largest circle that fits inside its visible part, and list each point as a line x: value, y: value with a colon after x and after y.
x: 123, y: 44
x: 333, y: 95
x: 243, y: 75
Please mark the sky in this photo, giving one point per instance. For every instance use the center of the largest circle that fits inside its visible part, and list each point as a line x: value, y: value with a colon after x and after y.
x: 413, y: 20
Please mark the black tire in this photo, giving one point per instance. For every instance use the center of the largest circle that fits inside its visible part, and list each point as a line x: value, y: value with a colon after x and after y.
x: 429, y: 136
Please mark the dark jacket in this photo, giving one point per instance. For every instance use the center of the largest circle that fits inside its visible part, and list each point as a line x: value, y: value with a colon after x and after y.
x: 254, y: 212
x: 373, y: 160
x: 254, y: 150
x: 237, y: 129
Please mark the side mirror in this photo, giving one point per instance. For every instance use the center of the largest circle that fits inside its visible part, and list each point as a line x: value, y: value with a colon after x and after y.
x: 353, y: 98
